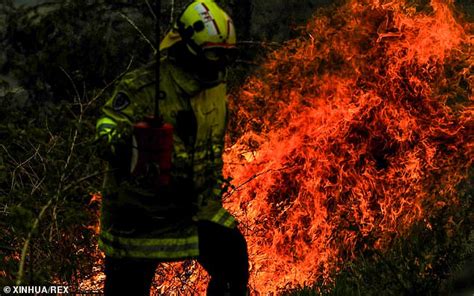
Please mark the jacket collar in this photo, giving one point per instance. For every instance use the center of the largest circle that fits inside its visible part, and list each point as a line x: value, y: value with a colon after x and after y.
x: 185, y: 80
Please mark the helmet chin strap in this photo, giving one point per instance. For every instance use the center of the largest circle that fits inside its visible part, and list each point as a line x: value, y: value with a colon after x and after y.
x: 205, y: 72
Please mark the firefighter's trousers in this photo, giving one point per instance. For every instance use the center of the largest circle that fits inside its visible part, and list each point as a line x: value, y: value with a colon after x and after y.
x: 223, y: 253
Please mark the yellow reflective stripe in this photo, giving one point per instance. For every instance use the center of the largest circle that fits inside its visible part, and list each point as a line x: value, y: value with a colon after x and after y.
x: 182, y: 155
x: 126, y: 251
x: 171, y: 248
x: 217, y: 149
x: 106, y: 131
x: 149, y: 241
x: 217, y: 191
x: 222, y: 217
x: 218, y: 216
x: 230, y: 223
x: 105, y: 121
x: 106, y: 126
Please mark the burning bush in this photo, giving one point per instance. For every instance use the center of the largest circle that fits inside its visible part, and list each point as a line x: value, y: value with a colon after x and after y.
x: 349, y: 135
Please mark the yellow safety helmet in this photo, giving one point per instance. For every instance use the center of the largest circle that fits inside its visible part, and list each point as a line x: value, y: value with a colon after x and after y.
x: 206, y: 29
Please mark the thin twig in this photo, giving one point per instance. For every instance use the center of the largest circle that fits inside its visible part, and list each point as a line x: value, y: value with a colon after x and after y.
x: 254, y: 177
x: 19, y: 165
x: 151, y: 9
x: 21, y: 270
x: 172, y: 13
x: 259, y: 43
x: 239, y: 61
x: 99, y: 94
x: 80, y: 180
x: 131, y: 22
x: 37, y: 185
x: 72, y: 82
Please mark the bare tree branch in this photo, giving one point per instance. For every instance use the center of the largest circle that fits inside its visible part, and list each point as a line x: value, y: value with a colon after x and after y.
x: 172, y: 13
x: 150, y: 9
x: 131, y: 22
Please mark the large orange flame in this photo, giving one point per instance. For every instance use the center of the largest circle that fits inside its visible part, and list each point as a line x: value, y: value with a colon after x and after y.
x: 348, y: 136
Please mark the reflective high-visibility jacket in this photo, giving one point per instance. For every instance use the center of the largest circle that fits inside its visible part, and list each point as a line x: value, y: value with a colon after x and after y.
x: 135, y: 221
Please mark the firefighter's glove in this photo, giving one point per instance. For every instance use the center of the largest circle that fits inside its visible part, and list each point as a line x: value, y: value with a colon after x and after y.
x: 113, y: 140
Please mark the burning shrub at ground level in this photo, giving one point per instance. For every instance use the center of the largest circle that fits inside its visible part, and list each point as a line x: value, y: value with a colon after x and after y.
x: 349, y: 135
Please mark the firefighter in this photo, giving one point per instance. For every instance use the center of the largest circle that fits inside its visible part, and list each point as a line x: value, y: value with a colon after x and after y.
x: 142, y: 225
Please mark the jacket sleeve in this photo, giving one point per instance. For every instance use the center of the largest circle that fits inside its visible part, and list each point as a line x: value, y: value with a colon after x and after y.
x: 114, y: 127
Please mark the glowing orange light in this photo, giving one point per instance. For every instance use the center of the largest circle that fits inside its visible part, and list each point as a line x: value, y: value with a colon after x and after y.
x: 352, y: 137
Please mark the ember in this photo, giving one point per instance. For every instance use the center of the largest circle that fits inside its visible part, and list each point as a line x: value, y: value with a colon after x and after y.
x: 345, y: 138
